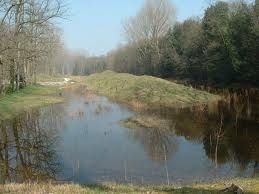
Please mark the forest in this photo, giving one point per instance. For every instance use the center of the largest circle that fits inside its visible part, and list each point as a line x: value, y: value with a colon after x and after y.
x: 30, y: 40
x: 221, y: 49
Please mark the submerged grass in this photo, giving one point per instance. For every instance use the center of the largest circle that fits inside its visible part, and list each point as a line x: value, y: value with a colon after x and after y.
x: 29, y: 97
x: 248, y: 186
x: 146, y: 122
x: 145, y: 91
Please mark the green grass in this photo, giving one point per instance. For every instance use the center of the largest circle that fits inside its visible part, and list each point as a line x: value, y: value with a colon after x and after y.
x: 248, y: 185
x: 144, y: 91
x: 29, y: 97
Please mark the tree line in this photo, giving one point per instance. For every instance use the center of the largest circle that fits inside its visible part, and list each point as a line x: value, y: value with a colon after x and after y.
x: 29, y: 40
x: 219, y: 49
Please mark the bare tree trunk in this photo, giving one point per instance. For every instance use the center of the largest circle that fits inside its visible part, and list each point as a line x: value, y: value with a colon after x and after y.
x: 1, y: 77
x: 18, y: 16
x: 12, y: 74
x: 257, y: 8
x: 18, y: 72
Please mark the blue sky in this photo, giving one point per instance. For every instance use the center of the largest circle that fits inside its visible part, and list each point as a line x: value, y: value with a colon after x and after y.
x: 96, y: 25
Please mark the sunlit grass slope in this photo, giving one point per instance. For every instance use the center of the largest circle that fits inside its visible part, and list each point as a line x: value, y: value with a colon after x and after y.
x: 146, y: 90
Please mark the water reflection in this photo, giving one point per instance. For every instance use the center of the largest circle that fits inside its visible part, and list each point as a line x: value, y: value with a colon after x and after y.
x: 159, y: 144
x: 228, y: 130
x: 82, y: 141
x: 27, y: 146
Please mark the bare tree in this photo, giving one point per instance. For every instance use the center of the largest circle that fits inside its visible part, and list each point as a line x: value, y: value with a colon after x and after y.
x: 151, y: 23
x: 30, y: 25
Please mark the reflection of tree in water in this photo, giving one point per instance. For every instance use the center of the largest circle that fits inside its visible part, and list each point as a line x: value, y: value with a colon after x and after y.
x: 256, y: 169
x: 160, y: 144
x: 228, y: 129
x: 240, y: 136
x: 27, y: 148
x: 237, y: 140
x: 215, y: 145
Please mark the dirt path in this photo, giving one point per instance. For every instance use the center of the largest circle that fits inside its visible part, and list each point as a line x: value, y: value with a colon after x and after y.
x: 66, y: 81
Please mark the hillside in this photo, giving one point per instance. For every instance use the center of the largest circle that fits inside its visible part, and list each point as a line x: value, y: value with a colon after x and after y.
x: 141, y: 91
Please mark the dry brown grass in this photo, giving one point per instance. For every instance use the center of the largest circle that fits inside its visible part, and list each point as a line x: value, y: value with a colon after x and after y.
x: 249, y: 186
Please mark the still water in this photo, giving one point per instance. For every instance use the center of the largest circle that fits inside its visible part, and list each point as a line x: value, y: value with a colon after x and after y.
x: 83, y: 141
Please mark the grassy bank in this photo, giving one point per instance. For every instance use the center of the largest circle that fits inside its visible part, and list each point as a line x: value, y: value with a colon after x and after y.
x: 248, y: 186
x: 29, y: 97
x: 144, y: 91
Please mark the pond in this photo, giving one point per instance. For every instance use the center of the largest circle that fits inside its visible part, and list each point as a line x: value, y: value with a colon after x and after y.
x: 83, y: 141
